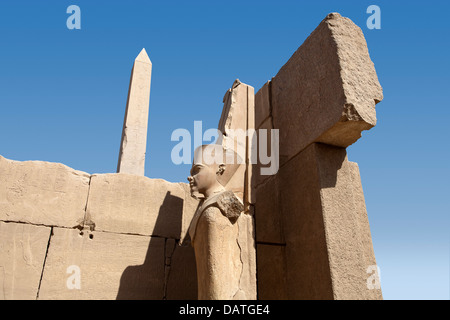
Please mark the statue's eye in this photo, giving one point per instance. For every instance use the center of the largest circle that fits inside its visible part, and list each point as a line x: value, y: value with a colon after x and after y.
x: 195, y: 170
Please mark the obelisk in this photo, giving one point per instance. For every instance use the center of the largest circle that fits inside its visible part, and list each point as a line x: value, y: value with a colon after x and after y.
x: 134, y: 132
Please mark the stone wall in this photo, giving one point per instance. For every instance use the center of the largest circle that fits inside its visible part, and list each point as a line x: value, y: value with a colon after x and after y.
x: 120, y: 232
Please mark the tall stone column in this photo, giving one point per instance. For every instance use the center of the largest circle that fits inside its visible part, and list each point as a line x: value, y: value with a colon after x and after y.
x: 236, y: 120
x: 134, y: 133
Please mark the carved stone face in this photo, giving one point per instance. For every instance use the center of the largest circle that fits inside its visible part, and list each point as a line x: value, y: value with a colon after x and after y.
x: 202, y: 178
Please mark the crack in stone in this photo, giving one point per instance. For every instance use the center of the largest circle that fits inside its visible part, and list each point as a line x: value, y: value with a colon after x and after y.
x: 242, y: 263
x: 86, y: 219
x: 168, y: 253
x: 43, y: 265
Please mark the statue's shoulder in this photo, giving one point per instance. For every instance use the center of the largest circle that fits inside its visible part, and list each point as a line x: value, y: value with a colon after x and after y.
x: 229, y: 204
x: 226, y: 202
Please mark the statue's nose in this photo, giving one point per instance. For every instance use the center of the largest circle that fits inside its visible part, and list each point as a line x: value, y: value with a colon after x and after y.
x: 190, y: 179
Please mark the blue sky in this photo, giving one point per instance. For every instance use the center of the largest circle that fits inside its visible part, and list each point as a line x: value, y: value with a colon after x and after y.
x: 63, y: 95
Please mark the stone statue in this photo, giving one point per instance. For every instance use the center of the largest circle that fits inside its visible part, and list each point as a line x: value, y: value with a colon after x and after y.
x: 214, y: 229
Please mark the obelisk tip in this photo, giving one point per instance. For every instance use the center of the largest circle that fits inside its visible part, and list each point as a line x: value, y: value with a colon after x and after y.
x: 143, y: 57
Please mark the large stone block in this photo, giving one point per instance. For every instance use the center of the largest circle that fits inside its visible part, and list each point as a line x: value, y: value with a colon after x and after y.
x: 182, y: 278
x: 268, y: 214
x: 263, y: 171
x: 42, y: 193
x: 345, y: 253
x: 272, y: 279
x: 307, y: 263
x: 327, y: 91
x: 262, y: 104
x: 104, y: 265
x: 131, y: 204
x: 246, y: 241
x: 234, y: 112
x: 22, y: 254
x: 325, y: 250
x: 236, y: 121
x: 364, y: 234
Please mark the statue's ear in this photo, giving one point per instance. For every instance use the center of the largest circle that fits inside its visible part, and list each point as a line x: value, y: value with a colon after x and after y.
x: 222, y: 168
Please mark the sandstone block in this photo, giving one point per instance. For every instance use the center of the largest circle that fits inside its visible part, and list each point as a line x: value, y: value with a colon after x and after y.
x: 182, y: 280
x: 268, y: 214
x: 251, y: 153
x: 234, y: 112
x: 189, y: 209
x: 345, y: 253
x: 271, y: 272
x: 131, y: 204
x: 364, y: 234
x: 324, y: 246
x: 42, y: 193
x: 307, y: 266
x: 246, y: 241
x: 327, y: 91
x: 262, y: 104
x: 264, y: 138
x: 237, y: 117
x: 102, y: 266
x: 22, y: 254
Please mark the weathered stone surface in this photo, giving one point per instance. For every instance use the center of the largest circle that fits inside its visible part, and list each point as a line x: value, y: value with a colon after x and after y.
x: 271, y: 272
x: 246, y: 241
x: 251, y: 153
x: 237, y: 123
x: 111, y: 266
x: 324, y: 251
x: 237, y: 117
x: 345, y: 253
x: 262, y: 104
x: 42, y: 193
x: 307, y: 266
x: 189, y: 207
x: 264, y: 134
x: 22, y: 254
x: 221, y: 233
x: 134, y: 133
x: 364, y: 234
x: 124, y: 203
x: 268, y: 214
x: 234, y: 112
x: 217, y: 255
x: 327, y: 91
x: 182, y: 280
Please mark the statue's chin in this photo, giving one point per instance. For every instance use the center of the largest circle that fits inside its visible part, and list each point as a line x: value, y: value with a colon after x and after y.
x: 193, y: 193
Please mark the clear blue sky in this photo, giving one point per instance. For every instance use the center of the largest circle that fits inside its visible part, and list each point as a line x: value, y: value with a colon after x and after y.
x: 63, y: 97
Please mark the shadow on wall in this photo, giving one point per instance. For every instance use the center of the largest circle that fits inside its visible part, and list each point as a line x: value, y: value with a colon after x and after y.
x: 169, y: 270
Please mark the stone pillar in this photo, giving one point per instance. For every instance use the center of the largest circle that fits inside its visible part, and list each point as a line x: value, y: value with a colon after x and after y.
x: 134, y: 133
x: 238, y: 117
x: 312, y: 231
